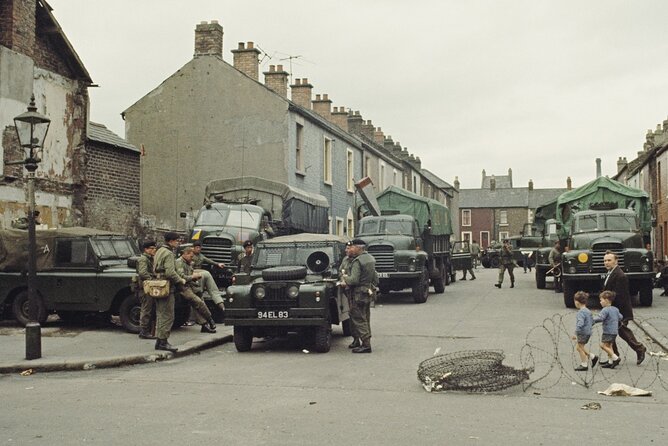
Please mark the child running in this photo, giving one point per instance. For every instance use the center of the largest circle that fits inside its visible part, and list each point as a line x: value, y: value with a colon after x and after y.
x: 583, y: 325
x: 610, y: 318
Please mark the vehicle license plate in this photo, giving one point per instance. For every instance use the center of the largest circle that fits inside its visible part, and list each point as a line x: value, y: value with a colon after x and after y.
x: 383, y: 275
x: 273, y: 314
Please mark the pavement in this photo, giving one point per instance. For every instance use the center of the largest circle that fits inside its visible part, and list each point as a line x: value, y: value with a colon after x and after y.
x: 72, y: 348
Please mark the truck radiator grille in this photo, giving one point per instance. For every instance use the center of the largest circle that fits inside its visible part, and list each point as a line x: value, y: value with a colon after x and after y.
x: 598, y: 253
x: 275, y: 298
x: 384, y: 255
x: 217, y: 249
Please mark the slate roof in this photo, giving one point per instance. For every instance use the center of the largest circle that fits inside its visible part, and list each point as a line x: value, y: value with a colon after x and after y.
x: 100, y: 133
x: 517, y: 197
x: 438, y: 182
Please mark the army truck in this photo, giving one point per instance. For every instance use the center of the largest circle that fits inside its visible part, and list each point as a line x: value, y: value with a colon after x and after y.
x: 251, y: 208
x: 80, y: 271
x: 291, y: 288
x: 605, y: 215
x: 409, y: 236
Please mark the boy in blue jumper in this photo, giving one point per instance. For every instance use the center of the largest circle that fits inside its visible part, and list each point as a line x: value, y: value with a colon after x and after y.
x: 610, y: 317
x: 583, y: 324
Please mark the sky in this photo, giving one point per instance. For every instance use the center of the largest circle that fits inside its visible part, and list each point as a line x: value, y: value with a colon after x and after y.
x: 541, y: 87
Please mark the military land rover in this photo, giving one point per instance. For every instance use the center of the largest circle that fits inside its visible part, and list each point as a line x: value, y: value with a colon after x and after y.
x: 291, y: 288
x: 80, y: 271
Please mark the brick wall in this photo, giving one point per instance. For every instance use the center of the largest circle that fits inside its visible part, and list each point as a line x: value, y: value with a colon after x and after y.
x: 112, y: 189
x: 17, y: 25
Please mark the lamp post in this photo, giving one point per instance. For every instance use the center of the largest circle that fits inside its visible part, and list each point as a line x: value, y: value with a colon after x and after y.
x: 31, y: 128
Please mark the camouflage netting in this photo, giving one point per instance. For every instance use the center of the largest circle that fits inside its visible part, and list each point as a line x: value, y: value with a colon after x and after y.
x: 470, y: 371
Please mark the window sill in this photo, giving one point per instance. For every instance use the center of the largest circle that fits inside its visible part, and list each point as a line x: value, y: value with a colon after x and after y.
x: 328, y: 183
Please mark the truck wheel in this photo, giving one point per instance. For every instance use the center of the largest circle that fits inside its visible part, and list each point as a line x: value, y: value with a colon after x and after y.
x: 181, y: 315
x: 129, y: 313
x: 494, y: 263
x: 243, y: 338
x: 645, y: 294
x: 284, y: 273
x: 540, y: 279
x: 569, y: 293
x: 322, y: 338
x: 421, y: 288
x: 439, y: 282
x: 21, y: 308
x: 347, y: 328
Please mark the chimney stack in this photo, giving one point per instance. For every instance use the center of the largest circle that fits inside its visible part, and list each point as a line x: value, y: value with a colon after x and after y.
x: 388, y: 144
x: 569, y: 183
x: 456, y: 183
x: 209, y: 39
x: 323, y: 106
x: 301, y: 93
x: 276, y: 79
x: 379, y: 136
x: 598, y: 167
x: 368, y: 129
x: 530, y: 184
x: 510, y: 176
x: 621, y: 163
x: 492, y: 183
x: 340, y: 117
x: 355, y: 122
x: 18, y: 24
x: 246, y: 59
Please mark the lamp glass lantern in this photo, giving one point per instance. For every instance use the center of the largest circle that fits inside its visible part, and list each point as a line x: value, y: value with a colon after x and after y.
x: 31, y: 128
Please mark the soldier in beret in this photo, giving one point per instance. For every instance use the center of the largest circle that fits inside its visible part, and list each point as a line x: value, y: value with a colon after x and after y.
x: 361, y: 283
x: 245, y: 258
x: 165, y: 268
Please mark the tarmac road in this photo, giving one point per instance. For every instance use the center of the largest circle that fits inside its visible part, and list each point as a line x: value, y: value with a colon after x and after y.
x: 278, y: 394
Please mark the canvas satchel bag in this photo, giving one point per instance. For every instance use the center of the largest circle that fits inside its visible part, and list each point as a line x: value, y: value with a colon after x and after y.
x: 156, y: 288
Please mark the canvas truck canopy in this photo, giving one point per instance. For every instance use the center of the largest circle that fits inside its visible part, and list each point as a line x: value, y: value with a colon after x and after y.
x: 603, y: 192
x: 296, y: 208
x: 14, y: 246
x: 425, y: 210
x: 546, y: 211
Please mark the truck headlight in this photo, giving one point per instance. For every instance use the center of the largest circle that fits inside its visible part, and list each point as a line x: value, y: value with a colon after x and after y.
x: 583, y: 257
x: 259, y: 292
x: 571, y: 270
x: 293, y: 292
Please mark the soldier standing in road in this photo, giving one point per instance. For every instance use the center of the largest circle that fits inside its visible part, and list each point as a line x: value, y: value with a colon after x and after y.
x: 344, y: 269
x: 506, y: 263
x: 245, y: 258
x: 361, y: 281
x: 164, y: 307
x: 188, y: 291
x: 145, y: 272
x: 555, y: 262
x: 207, y: 282
x: 475, y: 253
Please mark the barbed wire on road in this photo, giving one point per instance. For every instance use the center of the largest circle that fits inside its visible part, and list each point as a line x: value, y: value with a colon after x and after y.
x: 550, y: 353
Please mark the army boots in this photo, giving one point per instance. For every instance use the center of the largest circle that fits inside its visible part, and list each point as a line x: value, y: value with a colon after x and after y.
x: 162, y: 344
x: 146, y: 335
x: 364, y: 348
x: 356, y: 343
x: 209, y: 327
x: 512, y: 284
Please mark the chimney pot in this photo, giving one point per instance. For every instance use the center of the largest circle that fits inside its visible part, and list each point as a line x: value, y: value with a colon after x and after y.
x: 249, y: 45
x: 241, y: 46
x: 279, y: 67
x: 569, y: 183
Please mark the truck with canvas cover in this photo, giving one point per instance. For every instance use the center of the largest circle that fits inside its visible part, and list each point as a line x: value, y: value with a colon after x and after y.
x: 80, y: 271
x: 409, y: 236
x: 547, y: 229
x: 252, y: 208
x: 605, y: 215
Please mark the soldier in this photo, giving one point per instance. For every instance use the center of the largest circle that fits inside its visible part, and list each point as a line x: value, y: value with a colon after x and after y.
x: 245, y: 258
x: 506, y: 263
x: 145, y: 272
x: 207, y: 282
x: 361, y: 281
x: 475, y: 253
x: 555, y: 262
x: 164, y: 307
x: 344, y: 268
x: 191, y: 287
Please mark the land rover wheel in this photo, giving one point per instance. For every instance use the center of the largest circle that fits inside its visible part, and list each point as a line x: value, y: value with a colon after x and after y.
x: 322, y: 338
x: 129, y: 313
x: 421, y: 288
x: 645, y: 294
x: 284, y: 273
x: 569, y: 293
x: 243, y: 338
x: 21, y: 308
x: 347, y: 328
x: 495, y: 262
x: 439, y: 282
x: 540, y: 279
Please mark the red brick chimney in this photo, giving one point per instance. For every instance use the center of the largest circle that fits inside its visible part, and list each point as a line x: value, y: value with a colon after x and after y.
x: 246, y: 59
x: 368, y: 129
x: 340, y: 118
x: 277, y: 79
x: 209, y: 39
x: 379, y: 136
x: 17, y: 25
x: 300, y: 92
x: 323, y: 106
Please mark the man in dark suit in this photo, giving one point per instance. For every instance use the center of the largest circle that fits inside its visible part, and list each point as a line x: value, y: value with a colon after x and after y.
x: 616, y: 281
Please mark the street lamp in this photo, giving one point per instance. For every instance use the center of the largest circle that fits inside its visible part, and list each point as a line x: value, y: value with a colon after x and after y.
x: 31, y: 128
